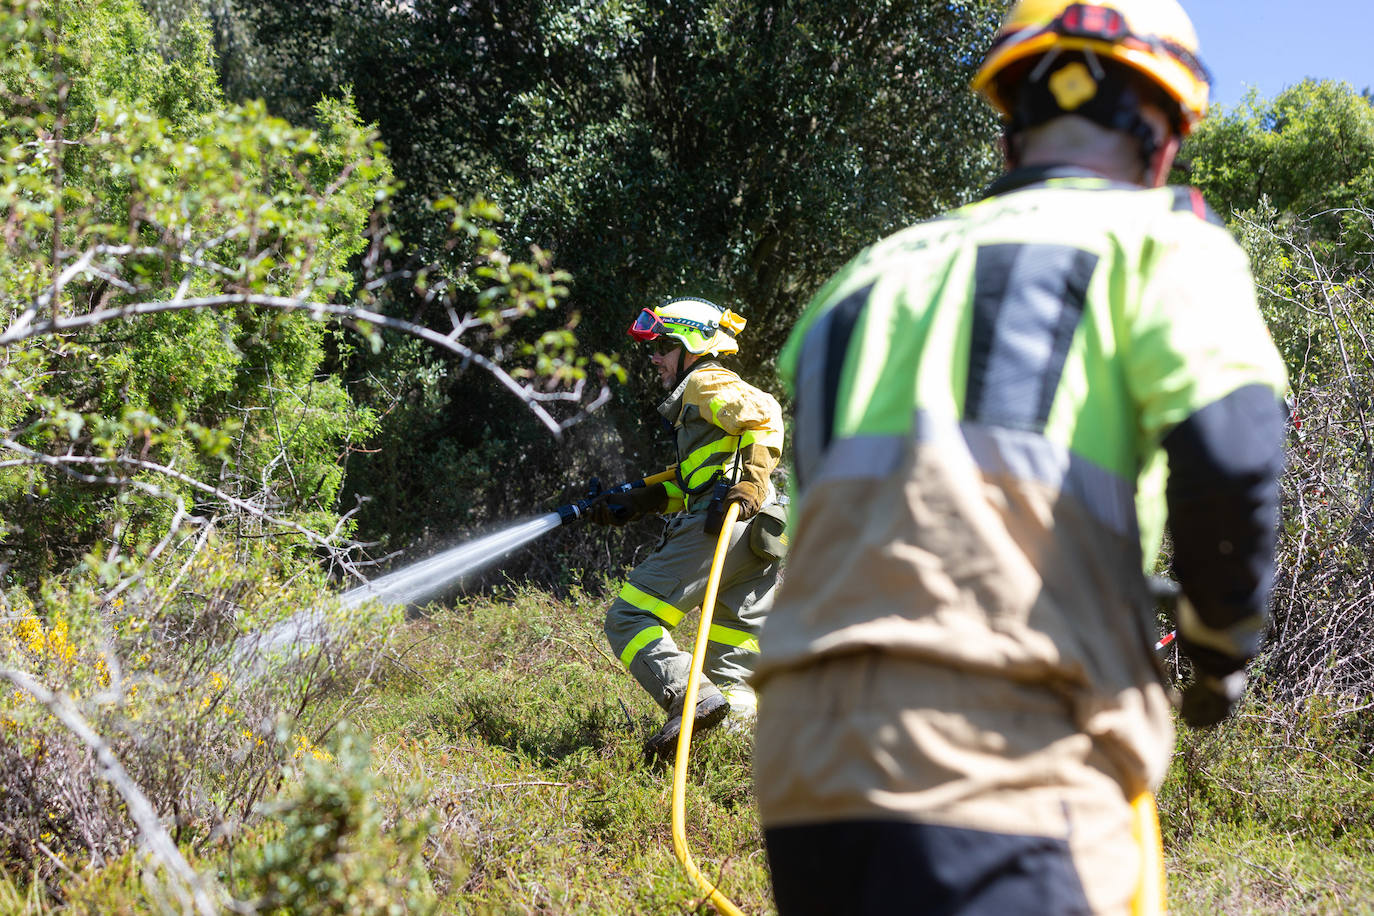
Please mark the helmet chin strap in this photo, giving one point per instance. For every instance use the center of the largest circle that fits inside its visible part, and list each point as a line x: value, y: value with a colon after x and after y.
x: 684, y: 368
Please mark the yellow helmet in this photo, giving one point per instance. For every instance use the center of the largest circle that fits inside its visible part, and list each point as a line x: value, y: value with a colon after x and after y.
x: 1153, y: 37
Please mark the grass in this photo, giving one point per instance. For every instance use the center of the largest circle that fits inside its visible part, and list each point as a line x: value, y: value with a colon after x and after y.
x: 503, y: 773
x: 528, y: 734
x: 536, y: 731
x: 1272, y: 813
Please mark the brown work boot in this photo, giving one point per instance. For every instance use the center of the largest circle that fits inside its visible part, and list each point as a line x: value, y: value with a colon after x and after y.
x: 711, y: 710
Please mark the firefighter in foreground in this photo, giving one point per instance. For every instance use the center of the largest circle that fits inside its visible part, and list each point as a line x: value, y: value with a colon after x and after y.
x: 729, y: 439
x: 960, y: 710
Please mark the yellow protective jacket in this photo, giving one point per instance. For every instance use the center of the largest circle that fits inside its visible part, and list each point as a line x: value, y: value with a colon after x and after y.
x: 720, y: 421
x: 984, y: 403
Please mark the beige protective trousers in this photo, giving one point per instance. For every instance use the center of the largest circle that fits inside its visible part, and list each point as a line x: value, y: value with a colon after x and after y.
x: 663, y: 589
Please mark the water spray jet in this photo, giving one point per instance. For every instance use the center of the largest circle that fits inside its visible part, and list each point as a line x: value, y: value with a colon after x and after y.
x: 412, y: 584
x: 424, y: 579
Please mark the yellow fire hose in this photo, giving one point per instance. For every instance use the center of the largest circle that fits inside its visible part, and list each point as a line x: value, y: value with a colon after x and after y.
x: 661, y: 476
x: 684, y: 738
x: 1150, y: 895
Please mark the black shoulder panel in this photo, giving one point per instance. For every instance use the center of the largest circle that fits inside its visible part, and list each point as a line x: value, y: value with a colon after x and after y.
x: 1028, y: 300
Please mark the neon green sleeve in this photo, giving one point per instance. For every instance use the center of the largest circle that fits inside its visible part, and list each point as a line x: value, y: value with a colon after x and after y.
x: 1197, y: 334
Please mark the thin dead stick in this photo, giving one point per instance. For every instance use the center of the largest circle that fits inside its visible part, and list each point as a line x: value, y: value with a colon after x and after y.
x: 349, y: 316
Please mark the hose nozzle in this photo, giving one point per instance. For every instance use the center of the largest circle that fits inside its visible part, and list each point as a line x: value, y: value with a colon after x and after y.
x: 572, y: 512
x: 576, y: 512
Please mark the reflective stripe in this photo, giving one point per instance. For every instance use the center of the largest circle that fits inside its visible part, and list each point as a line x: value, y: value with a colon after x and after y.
x: 729, y: 637
x: 742, y: 698
x: 725, y: 445
x: 1028, y: 301
x: 1020, y: 454
x: 646, y: 602
x: 861, y: 457
x: 676, y: 499
x: 703, y: 463
x: 1029, y: 456
x: 768, y: 438
x: 641, y: 639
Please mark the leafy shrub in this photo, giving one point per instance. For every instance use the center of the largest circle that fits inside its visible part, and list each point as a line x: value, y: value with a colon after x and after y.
x: 202, y: 730
x: 330, y: 851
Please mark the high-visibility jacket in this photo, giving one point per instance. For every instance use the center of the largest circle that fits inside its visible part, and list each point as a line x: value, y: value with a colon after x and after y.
x: 720, y: 421
x: 982, y: 404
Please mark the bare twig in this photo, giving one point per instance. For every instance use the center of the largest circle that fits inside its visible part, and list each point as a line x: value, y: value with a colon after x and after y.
x: 359, y: 319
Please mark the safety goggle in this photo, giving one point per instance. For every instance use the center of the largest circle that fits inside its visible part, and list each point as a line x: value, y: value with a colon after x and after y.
x: 647, y: 326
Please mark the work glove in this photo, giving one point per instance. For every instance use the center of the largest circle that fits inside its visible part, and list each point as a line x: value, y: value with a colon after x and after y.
x: 628, y: 505
x: 746, y: 494
x: 612, y: 509
x: 1208, y: 699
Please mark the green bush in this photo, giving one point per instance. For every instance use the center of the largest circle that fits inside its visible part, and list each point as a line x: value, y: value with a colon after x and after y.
x: 330, y: 849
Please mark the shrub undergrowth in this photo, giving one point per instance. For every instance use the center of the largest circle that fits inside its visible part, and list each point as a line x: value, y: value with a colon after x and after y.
x: 1272, y: 812
x: 495, y: 766
x: 161, y: 673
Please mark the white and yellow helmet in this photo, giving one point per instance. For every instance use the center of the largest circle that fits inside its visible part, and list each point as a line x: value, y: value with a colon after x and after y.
x: 701, y: 326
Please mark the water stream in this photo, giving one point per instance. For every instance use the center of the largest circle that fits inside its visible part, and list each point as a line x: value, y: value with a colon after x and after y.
x: 412, y: 584
x: 408, y: 585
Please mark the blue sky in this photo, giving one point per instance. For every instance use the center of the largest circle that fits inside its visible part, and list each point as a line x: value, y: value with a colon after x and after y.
x: 1272, y: 44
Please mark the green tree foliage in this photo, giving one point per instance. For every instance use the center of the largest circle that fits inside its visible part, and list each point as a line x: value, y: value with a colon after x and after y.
x: 134, y: 189
x: 171, y: 438
x: 738, y: 150
x: 1310, y: 149
x: 1295, y: 177
x: 129, y: 180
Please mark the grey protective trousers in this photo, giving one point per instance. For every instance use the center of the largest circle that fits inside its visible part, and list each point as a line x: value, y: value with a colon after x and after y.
x: 668, y: 585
